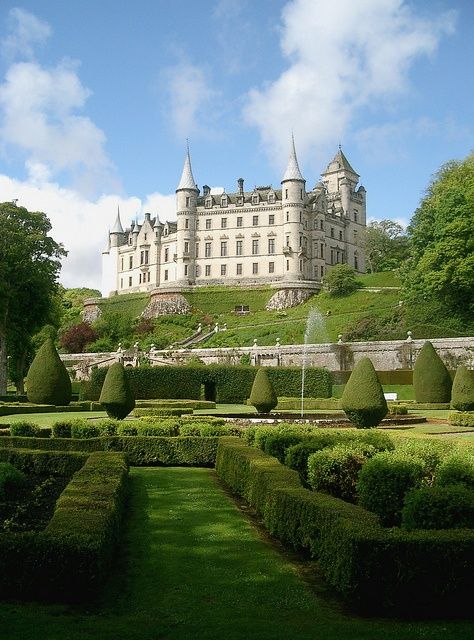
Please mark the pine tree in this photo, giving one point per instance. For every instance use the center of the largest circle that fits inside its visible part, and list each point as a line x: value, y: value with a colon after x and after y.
x: 116, y: 395
x: 431, y: 379
x: 263, y: 396
x: 48, y: 381
x: 462, y: 394
x: 363, y: 400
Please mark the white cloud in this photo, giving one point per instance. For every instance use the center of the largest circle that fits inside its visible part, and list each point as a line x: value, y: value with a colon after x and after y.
x: 191, y: 99
x: 26, y: 32
x: 81, y: 224
x: 343, y: 56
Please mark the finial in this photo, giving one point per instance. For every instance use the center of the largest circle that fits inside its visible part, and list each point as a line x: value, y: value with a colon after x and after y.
x: 340, y: 147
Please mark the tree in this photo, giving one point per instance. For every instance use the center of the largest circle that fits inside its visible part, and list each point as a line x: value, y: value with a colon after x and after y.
x: 48, y: 381
x: 116, y: 395
x: 431, y: 379
x: 440, y: 271
x: 29, y: 266
x: 341, y: 280
x: 462, y: 393
x: 77, y: 337
x: 363, y: 400
x: 386, y: 245
x: 262, y: 395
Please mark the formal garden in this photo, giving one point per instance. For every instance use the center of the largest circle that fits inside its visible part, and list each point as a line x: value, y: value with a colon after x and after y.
x: 142, y: 509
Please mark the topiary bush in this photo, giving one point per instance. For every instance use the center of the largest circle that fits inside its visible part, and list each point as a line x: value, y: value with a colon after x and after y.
x: 61, y: 429
x: 456, y: 469
x: 430, y: 452
x: 277, y: 444
x: 383, y: 482
x: 462, y: 392
x: 437, y: 507
x: 12, y: 482
x: 116, y: 395
x: 81, y: 429
x: 335, y: 470
x: 363, y: 400
x: 26, y: 429
x: 262, y: 395
x: 48, y: 381
x: 431, y: 379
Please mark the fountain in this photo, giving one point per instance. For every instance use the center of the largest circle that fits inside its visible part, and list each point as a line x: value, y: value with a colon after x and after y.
x: 315, y: 332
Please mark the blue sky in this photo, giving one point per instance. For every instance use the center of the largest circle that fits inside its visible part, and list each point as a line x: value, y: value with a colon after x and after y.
x: 97, y: 99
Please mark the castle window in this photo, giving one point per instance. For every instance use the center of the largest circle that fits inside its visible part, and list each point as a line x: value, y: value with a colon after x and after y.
x: 255, y: 221
x: 301, y: 265
x: 149, y: 274
x: 287, y: 216
x: 301, y: 216
x: 140, y: 278
x: 145, y: 237
x: 287, y: 241
x: 186, y: 223
x: 315, y: 250
x: 356, y: 263
x: 130, y: 281
x: 121, y: 265
x: 271, y: 219
x: 322, y: 249
x: 321, y: 225
x: 332, y: 256
x: 146, y: 256
x: 287, y: 265
x: 197, y: 224
x: 355, y: 236
x: 224, y: 201
x: 223, y: 223
x: 130, y: 262
x: 286, y: 194
x: 255, y: 198
x: 238, y: 270
x: 208, y: 223
x: 186, y: 247
x: 355, y: 216
x: 207, y: 271
x: 238, y: 247
x: 340, y: 235
x: 271, y: 198
x: 301, y: 194
x: 185, y: 269
x: 254, y: 268
x: 271, y: 267
x: 254, y: 247
x: 166, y: 274
x: 240, y: 201
x: 223, y: 269
x: 271, y: 245
x: 188, y: 201
x: 198, y: 271
x: 207, y: 249
x: 167, y: 255
x: 121, y: 283
x: 239, y: 221
x: 208, y: 203
x: 301, y: 240
x: 196, y: 250
x: 332, y: 232
x: 224, y: 249
x: 322, y: 272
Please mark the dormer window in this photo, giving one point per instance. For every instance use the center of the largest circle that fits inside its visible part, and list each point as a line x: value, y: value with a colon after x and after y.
x: 224, y: 201
x: 240, y: 201
x: 271, y: 198
x: 255, y: 198
x: 208, y: 203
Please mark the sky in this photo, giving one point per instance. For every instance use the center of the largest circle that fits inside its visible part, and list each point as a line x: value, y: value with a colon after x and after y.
x: 98, y: 98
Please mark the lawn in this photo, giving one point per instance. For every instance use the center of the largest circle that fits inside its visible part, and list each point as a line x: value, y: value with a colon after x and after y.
x: 193, y: 565
x: 47, y: 419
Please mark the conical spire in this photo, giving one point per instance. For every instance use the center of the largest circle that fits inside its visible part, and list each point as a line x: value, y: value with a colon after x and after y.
x: 187, y: 179
x: 117, y: 228
x: 292, y: 170
x: 340, y: 163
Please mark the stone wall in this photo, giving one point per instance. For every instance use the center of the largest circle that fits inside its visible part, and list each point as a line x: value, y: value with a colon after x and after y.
x: 166, y: 303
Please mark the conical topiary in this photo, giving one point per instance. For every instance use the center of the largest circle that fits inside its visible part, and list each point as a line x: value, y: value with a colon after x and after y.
x: 47, y: 381
x: 116, y: 395
x: 462, y: 393
x: 263, y: 396
x: 431, y: 379
x: 363, y: 400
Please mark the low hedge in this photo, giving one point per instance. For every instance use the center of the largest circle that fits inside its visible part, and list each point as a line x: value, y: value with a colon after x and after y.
x: 29, y: 430
x: 309, y: 404
x: 19, y: 408
x: 157, y: 413
x: 176, y: 404
x: 69, y: 560
x: 381, y: 570
x: 437, y: 507
x: 461, y: 418
x: 39, y: 462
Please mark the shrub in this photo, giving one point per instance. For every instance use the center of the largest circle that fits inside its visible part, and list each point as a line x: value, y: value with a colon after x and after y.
x: 166, y: 411
x: 461, y: 419
x: 262, y: 395
x: 61, y: 429
x: 462, y: 392
x: 397, y: 409
x: 362, y: 400
x: 208, y: 429
x: 106, y: 427
x: 80, y: 429
x: 12, y: 482
x: 191, y: 419
x: 48, y: 381
x: 341, y: 280
x: 384, y: 481
x: 438, y: 507
x: 431, y: 379
x: 335, y: 470
x: 456, y: 469
x: 25, y: 429
x: 77, y: 337
x: 277, y: 444
x: 165, y: 428
x: 430, y: 452
x: 116, y: 395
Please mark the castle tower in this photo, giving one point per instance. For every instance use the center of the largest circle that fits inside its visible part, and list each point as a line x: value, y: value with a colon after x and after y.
x: 110, y: 257
x: 293, y: 199
x: 186, y: 211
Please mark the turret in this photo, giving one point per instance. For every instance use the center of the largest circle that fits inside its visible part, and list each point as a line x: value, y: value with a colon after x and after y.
x: 117, y: 234
x: 293, y: 198
x: 186, y: 211
x: 135, y: 232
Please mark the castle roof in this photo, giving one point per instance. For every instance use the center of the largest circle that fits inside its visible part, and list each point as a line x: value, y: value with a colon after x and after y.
x: 117, y: 228
x: 187, y: 179
x: 340, y: 163
x: 292, y: 170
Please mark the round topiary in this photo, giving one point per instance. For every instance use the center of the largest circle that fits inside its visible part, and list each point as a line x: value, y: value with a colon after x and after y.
x: 48, y: 381
x: 431, y: 379
x: 363, y: 400
x: 116, y: 396
x: 462, y: 393
x: 263, y: 396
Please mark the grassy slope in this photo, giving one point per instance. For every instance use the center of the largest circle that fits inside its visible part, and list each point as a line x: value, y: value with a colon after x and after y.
x: 192, y: 566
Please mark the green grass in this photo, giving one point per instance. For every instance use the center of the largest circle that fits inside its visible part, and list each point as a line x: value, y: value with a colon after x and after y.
x: 193, y: 566
x: 382, y: 279
x: 47, y: 419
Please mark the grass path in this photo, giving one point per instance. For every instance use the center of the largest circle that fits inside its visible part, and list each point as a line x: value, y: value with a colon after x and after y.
x: 193, y: 566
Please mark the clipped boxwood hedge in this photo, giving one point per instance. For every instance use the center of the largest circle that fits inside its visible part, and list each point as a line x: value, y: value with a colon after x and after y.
x: 461, y: 418
x: 161, y: 412
x: 381, y: 570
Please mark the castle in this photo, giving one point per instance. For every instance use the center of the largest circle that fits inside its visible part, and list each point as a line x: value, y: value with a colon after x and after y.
x: 288, y: 236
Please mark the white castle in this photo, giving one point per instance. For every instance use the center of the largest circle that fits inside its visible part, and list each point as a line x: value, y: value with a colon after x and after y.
x: 288, y: 236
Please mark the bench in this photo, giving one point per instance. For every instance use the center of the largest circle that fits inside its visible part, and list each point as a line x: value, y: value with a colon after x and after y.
x: 391, y: 396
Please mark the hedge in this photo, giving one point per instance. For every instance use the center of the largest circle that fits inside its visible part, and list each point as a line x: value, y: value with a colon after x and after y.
x: 381, y: 570
x: 19, y: 408
x: 175, y: 404
x: 461, y: 418
x: 152, y: 412
x: 395, y: 376
x: 54, y: 463
x: 232, y: 383
x: 69, y: 560
x: 309, y: 404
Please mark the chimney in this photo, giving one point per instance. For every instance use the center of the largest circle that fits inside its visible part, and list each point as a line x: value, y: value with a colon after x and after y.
x: 240, y: 185
x: 206, y: 190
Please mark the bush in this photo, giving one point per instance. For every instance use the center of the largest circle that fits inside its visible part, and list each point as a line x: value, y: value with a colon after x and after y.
x: 431, y: 379
x: 106, y: 427
x: 61, y: 429
x: 363, y: 400
x: 169, y: 428
x: 12, y: 482
x: 429, y: 451
x: 262, y: 395
x: 80, y: 429
x: 335, y: 470
x: 461, y: 419
x: 116, y: 395
x: 207, y: 429
x: 397, y: 409
x: 191, y: 419
x: 277, y: 444
x: 462, y: 392
x: 48, y: 381
x: 176, y: 404
x: 178, y: 451
x: 383, y: 483
x: 27, y: 429
x: 153, y: 412
x: 456, y: 469
x: 438, y: 507
x: 341, y: 280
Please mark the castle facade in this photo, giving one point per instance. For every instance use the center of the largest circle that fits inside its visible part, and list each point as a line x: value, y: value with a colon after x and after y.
x: 288, y: 235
